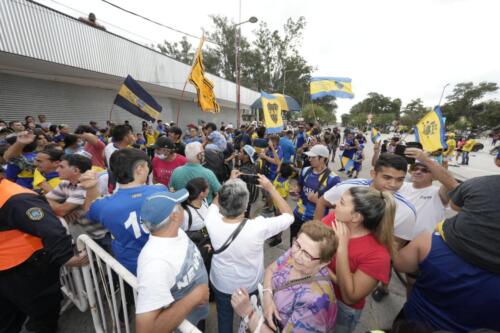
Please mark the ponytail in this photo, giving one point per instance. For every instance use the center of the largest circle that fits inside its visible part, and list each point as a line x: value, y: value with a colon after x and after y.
x: 385, y: 230
x: 378, y: 210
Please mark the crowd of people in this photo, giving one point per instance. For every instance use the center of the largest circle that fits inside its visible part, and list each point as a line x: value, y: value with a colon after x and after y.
x: 181, y: 210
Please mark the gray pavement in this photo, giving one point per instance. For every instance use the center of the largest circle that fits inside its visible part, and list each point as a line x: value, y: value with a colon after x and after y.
x: 375, y: 315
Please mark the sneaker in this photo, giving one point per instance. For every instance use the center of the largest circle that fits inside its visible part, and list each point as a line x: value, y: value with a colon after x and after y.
x: 341, y: 169
x: 379, y: 294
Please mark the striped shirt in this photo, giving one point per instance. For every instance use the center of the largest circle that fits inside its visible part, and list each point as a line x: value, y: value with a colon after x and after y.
x: 406, y: 214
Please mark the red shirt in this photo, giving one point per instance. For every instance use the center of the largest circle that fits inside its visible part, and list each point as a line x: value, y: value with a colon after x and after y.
x: 163, y: 169
x: 365, y: 254
x: 97, y: 152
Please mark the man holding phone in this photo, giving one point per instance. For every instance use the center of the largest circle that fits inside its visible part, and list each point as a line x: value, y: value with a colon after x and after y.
x: 429, y: 200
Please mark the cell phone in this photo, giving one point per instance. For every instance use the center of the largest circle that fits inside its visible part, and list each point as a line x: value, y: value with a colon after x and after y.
x: 250, y: 178
x: 400, y: 150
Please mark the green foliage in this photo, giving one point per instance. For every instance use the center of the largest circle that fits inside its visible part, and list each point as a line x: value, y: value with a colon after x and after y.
x: 271, y: 63
x: 413, y: 112
x: 314, y: 112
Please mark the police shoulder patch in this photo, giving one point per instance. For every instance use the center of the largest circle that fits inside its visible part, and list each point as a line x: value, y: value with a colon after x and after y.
x: 35, y: 213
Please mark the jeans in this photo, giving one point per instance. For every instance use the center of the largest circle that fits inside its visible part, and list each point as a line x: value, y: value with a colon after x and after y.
x: 347, y: 318
x: 225, y: 311
x: 465, y: 157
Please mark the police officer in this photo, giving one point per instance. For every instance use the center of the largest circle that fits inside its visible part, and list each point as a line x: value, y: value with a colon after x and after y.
x: 33, y: 247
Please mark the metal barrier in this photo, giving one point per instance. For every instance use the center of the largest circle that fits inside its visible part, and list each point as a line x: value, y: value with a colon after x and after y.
x: 72, y: 288
x: 110, y: 287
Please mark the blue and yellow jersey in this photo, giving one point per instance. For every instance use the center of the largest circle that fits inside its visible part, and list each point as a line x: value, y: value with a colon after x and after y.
x: 282, y: 185
x: 309, y: 182
x: 52, y: 178
x: 20, y: 170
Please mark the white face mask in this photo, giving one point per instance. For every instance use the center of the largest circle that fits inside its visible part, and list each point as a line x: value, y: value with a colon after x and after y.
x: 161, y: 156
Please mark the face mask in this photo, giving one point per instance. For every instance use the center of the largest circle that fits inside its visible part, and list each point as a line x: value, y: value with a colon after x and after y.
x: 161, y: 156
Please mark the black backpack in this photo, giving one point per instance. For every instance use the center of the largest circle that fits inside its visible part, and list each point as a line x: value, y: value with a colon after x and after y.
x: 214, y: 160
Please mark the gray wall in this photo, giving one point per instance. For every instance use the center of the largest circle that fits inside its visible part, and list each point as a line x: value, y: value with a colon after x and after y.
x: 75, y: 104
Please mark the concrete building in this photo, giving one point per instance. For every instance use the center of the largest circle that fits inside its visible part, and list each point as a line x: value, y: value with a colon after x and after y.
x: 53, y: 64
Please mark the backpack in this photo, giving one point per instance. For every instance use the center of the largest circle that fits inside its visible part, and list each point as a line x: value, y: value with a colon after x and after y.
x: 323, y: 179
x: 214, y: 160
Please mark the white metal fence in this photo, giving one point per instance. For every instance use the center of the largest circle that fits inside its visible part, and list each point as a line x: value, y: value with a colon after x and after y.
x: 110, y: 290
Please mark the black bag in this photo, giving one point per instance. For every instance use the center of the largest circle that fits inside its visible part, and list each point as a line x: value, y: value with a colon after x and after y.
x: 200, y: 238
x: 214, y: 160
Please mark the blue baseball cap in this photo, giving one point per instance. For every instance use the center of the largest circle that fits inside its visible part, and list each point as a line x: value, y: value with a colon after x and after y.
x: 158, y: 206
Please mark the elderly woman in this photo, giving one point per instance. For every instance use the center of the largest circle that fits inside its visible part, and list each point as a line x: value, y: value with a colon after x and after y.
x: 238, y: 243
x: 298, y: 292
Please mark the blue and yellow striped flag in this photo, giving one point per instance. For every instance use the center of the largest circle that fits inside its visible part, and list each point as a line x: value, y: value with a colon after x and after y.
x: 331, y: 86
x: 272, y: 113
x: 376, y: 137
x: 133, y: 98
x: 430, y: 131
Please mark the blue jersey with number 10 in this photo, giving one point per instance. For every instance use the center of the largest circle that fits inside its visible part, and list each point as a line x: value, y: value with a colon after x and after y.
x: 120, y: 214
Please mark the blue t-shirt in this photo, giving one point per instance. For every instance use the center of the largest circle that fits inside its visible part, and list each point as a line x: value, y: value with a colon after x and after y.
x: 120, y: 214
x: 300, y: 139
x: 451, y: 294
x: 309, y: 181
x: 272, y: 169
x: 287, y: 148
x: 349, y: 149
x: 58, y: 138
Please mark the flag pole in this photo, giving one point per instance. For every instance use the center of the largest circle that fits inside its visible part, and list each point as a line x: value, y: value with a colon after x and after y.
x: 111, y: 111
x: 179, y: 103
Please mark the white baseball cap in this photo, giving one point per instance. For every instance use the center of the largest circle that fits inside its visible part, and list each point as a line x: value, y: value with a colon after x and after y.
x: 318, y: 150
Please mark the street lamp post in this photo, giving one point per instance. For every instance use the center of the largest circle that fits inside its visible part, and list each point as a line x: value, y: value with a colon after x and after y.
x: 252, y: 19
x: 442, y: 93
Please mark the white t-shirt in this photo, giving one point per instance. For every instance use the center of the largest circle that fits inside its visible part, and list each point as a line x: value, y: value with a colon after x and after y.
x: 406, y: 214
x: 108, y: 151
x: 159, y: 270
x: 429, y: 206
x: 197, y: 217
x: 241, y: 265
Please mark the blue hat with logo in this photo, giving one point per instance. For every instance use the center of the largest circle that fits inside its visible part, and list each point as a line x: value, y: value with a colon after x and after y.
x: 158, y: 206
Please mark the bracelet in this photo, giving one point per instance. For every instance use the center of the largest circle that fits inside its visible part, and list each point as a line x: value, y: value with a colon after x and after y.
x: 269, y: 290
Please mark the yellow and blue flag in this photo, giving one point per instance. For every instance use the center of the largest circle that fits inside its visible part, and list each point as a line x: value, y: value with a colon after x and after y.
x: 272, y: 113
x: 430, y: 131
x: 133, y: 98
x: 204, y: 87
x: 376, y: 137
x: 331, y: 86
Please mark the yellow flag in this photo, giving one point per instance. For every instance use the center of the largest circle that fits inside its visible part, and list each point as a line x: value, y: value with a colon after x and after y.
x: 204, y: 87
x: 272, y: 113
x: 430, y: 131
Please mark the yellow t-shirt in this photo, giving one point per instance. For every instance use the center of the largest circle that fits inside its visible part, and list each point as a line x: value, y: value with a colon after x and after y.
x: 282, y: 187
x: 469, y: 144
x: 151, y: 138
x: 254, y: 136
x: 452, y: 144
x: 39, y: 178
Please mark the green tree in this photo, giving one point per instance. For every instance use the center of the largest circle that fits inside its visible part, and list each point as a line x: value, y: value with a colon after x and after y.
x: 461, y: 101
x: 413, y: 112
x: 182, y: 50
x: 271, y: 63
x: 313, y: 112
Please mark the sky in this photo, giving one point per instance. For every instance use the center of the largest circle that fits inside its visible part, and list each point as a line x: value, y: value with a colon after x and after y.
x: 399, y: 48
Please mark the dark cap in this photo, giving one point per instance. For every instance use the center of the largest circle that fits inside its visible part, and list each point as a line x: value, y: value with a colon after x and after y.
x: 164, y: 142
